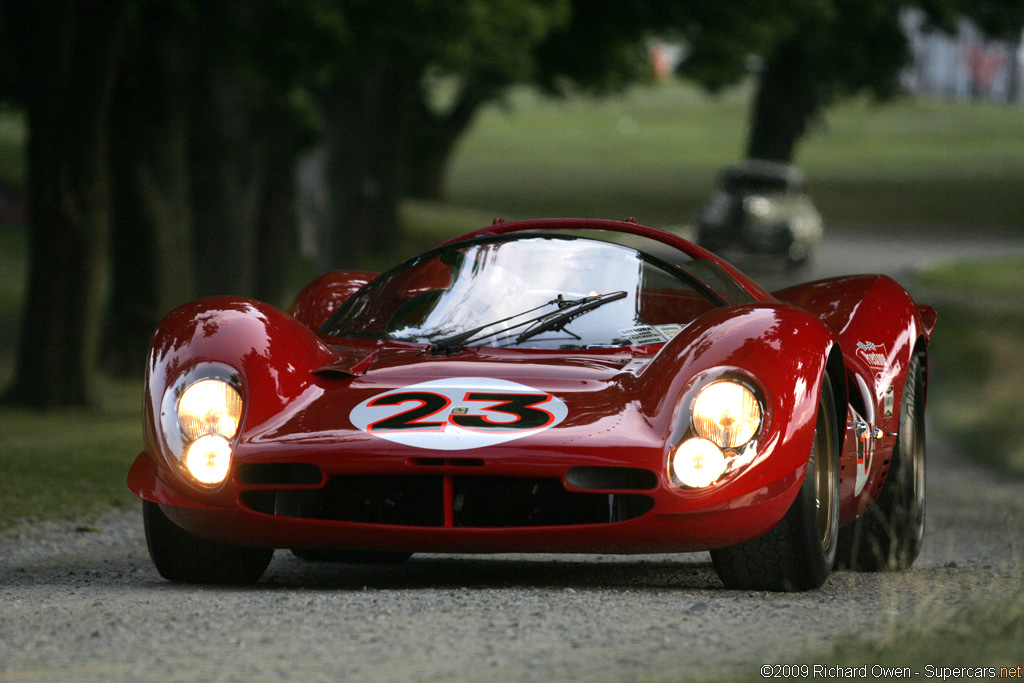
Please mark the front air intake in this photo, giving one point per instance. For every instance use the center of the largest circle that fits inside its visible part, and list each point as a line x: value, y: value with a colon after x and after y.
x: 449, y: 501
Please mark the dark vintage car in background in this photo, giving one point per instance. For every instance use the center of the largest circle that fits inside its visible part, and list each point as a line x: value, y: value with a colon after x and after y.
x: 761, y: 208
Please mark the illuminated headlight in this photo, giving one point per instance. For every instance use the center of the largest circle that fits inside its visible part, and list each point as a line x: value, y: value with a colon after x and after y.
x: 698, y: 463
x: 210, y: 406
x: 201, y: 417
x: 758, y: 207
x: 208, y: 458
x: 727, y: 414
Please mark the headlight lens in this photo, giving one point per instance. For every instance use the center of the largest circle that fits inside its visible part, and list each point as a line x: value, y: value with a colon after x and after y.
x: 208, y: 458
x: 698, y: 463
x: 727, y: 414
x: 210, y: 406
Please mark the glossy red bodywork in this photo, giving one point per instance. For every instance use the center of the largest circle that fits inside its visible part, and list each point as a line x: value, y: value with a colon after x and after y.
x: 322, y: 296
x: 626, y: 408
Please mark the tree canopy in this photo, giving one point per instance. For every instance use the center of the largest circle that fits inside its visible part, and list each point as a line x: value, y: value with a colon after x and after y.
x: 164, y: 135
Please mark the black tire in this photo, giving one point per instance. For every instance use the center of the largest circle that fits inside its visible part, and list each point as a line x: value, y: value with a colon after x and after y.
x: 180, y: 556
x: 888, y: 536
x: 798, y: 553
x: 329, y: 555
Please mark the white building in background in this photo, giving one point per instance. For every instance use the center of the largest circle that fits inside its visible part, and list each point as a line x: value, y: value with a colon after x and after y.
x: 965, y: 66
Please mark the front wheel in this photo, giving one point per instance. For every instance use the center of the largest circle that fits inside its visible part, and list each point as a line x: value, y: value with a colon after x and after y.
x: 798, y: 553
x: 180, y: 556
x: 888, y: 536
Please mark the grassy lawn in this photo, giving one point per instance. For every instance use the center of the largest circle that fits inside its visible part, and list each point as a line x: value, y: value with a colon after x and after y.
x: 70, y: 463
x: 12, y: 151
x: 912, y: 165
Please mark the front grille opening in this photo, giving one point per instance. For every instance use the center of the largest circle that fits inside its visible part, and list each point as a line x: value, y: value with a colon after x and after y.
x: 371, y: 499
x: 510, y: 502
x: 447, y: 462
x: 611, y: 478
x: 466, y: 501
x: 279, y: 474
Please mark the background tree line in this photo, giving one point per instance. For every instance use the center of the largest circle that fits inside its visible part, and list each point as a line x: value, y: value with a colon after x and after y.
x: 163, y: 135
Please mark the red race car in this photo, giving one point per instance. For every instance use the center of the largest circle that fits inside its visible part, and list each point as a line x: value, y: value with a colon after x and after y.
x: 542, y: 386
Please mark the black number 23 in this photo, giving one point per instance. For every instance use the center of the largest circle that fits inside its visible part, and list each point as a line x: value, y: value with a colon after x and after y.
x: 520, y: 406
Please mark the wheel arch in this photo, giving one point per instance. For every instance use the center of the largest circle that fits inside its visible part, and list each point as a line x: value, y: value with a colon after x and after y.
x: 836, y: 371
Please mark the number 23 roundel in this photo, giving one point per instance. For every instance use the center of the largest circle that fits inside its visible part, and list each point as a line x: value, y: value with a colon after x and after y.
x: 458, y: 413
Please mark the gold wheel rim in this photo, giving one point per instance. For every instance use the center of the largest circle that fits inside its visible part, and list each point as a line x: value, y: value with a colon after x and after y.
x: 823, y: 489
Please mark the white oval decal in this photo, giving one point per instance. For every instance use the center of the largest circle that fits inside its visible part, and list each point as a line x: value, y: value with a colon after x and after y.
x: 458, y: 413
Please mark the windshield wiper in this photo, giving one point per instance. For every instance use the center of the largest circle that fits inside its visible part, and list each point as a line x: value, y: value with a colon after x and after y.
x: 457, y: 341
x: 567, y: 310
x: 557, y: 320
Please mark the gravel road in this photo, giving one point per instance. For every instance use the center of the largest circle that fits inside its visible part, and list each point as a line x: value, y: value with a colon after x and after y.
x: 81, y: 601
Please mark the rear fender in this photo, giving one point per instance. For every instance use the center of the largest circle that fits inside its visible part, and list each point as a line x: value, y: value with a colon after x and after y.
x: 879, y: 328
x: 321, y: 297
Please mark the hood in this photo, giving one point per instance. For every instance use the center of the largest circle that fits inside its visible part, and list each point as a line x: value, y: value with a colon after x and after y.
x: 395, y: 396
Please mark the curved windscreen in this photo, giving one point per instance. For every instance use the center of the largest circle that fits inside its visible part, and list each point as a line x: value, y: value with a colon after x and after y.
x: 526, y: 291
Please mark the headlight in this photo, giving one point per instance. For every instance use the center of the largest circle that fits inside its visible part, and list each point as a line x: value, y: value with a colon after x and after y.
x: 727, y: 414
x: 758, y: 207
x: 210, y: 406
x: 200, y: 417
x: 208, y: 458
x: 698, y: 463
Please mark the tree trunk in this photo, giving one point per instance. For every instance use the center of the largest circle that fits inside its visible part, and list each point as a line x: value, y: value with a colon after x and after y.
x: 787, y: 99
x: 276, y: 224
x: 367, y: 118
x: 432, y: 141
x: 67, y: 57
x: 227, y: 177
x: 152, y: 223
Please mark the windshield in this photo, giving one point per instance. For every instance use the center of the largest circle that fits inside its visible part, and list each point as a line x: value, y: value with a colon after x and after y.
x: 568, y: 292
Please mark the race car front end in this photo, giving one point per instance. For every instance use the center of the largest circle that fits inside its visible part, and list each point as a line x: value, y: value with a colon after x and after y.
x: 493, y: 451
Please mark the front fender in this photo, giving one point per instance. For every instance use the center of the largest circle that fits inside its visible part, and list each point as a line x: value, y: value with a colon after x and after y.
x: 781, y: 348
x: 272, y: 353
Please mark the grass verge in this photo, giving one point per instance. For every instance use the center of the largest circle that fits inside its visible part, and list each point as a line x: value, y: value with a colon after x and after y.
x: 986, y: 636
x: 69, y: 463
x: 977, y: 386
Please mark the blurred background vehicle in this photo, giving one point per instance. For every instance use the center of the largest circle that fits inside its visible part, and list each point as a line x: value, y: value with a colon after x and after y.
x: 760, y: 207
